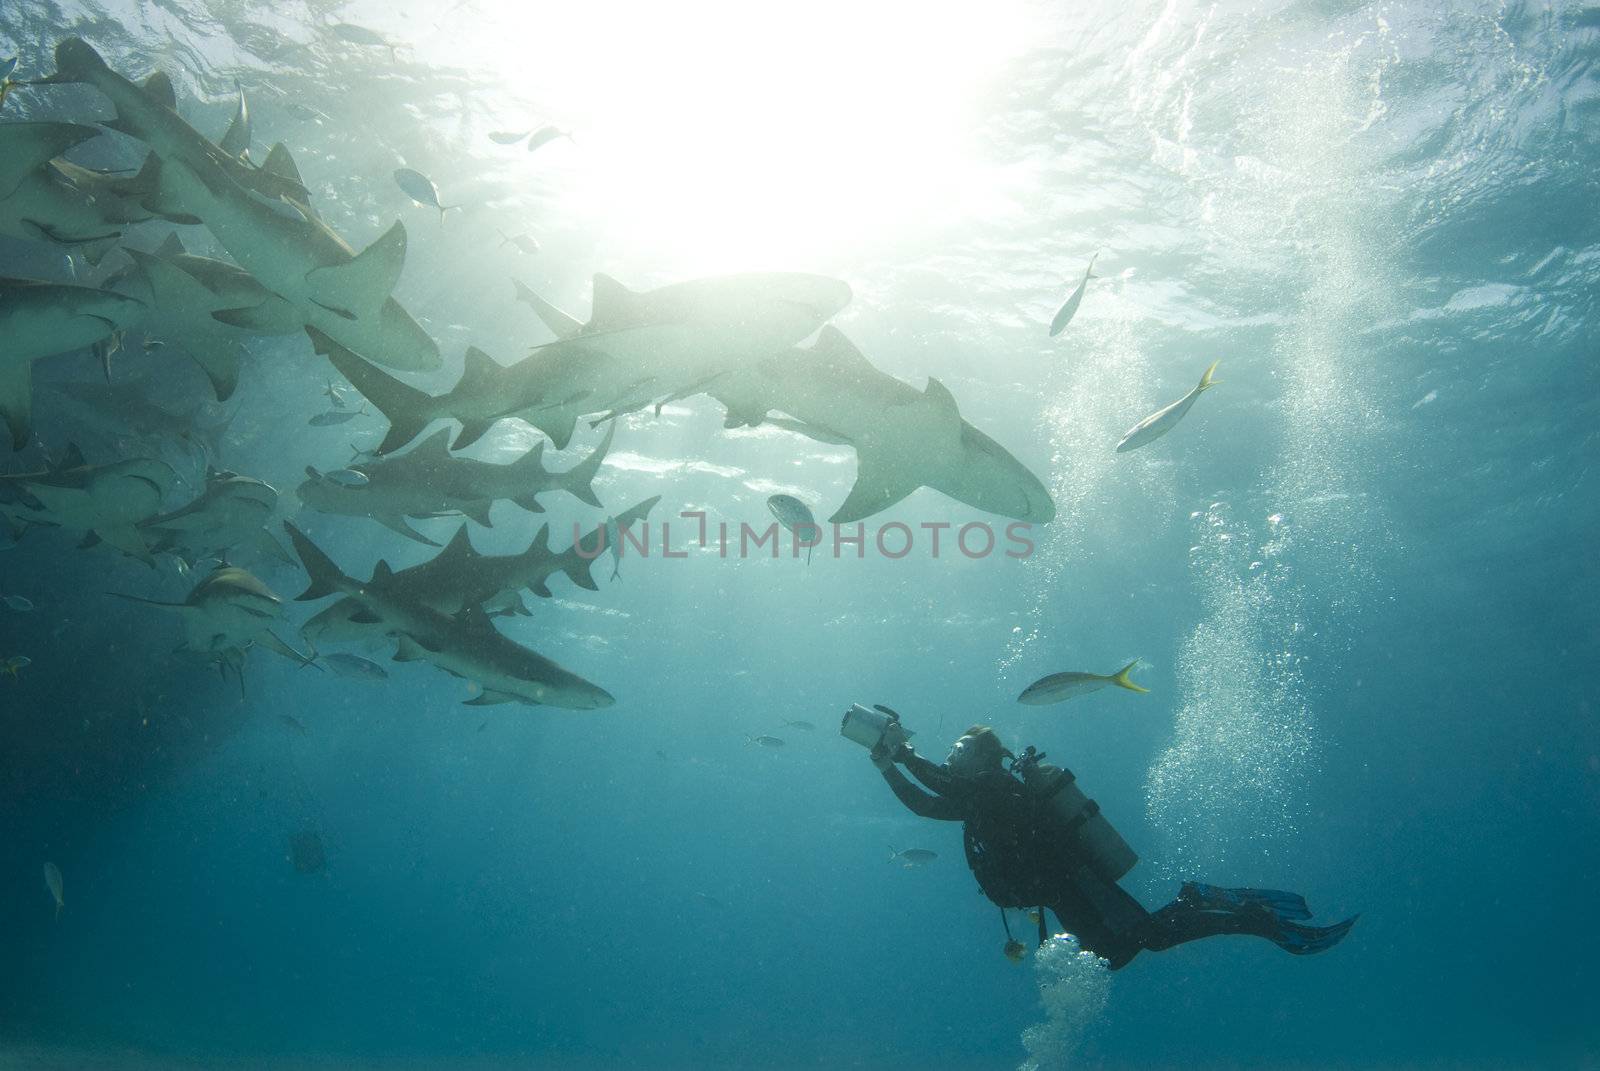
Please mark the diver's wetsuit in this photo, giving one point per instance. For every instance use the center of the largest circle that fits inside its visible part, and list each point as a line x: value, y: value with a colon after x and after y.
x: 1021, y: 861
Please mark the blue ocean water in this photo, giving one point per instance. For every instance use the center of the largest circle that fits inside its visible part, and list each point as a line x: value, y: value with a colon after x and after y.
x: 1359, y: 577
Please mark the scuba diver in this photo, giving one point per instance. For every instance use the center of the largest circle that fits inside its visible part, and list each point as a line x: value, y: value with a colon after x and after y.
x: 1034, y: 841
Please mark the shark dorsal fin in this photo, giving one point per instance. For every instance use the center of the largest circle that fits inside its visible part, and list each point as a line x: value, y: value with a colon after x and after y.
x: 280, y: 163
x: 943, y: 402
x: 236, y: 142
x: 833, y: 347
x: 479, y: 373
x: 71, y: 458
x: 612, y: 305
x: 459, y: 547
x: 159, y: 86
x: 382, y: 571
x: 171, y: 247
x: 365, y: 283
x: 541, y: 541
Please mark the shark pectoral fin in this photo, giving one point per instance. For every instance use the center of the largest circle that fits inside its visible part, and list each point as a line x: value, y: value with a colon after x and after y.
x: 129, y: 540
x: 811, y: 431
x: 878, y: 486
x: 96, y: 250
x: 172, y: 246
x: 25, y: 147
x: 558, y: 426
x: 268, y: 547
x: 529, y: 502
x: 409, y: 650
x: 560, y: 324
x: 542, y: 590
x: 364, y: 616
x: 339, y: 311
x: 833, y: 347
x: 613, y: 304
x: 221, y: 366
x: 471, y: 432
x: 492, y: 698
x: 399, y: 524
x: 16, y: 400
x: 271, y: 642
x: 260, y: 318
x: 365, y: 283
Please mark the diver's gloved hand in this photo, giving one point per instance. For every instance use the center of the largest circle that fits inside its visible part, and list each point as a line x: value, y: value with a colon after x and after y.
x: 882, y: 756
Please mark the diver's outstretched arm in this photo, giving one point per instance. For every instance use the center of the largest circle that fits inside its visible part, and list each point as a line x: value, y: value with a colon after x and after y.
x: 919, y: 802
x: 927, y: 771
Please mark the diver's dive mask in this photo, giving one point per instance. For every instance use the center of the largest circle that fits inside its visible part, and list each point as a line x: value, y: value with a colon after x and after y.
x: 966, y: 758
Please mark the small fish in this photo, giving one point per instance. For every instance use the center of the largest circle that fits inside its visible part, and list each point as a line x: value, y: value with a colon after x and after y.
x: 16, y: 662
x: 1035, y: 918
x: 420, y: 188
x: 347, y: 478
x: 1158, y: 424
x: 332, y: 417
x: 766, y: 741
x: 525, y: 242
x: 335, y: 395
x: 545, y: 135
x: 17, y: 603
x: 796, y: 516
x: 1069, y: 307
x: 354, y: 667
x: 1059, y: 687
x: 709, y: 900
x: 507, y: 137
x: 1015, y: 950
x: 912, y: 856
x: 294, y: 723
x: 662, y: 755
x: 52, y: 881
x: 803, y: 726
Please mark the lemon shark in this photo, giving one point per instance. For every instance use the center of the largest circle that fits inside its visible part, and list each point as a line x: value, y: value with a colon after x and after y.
x: 225, y: 615
x: 459, y: 577
x: 467, y: 645
x: 262, y: 217
x: 128, y: 408
x: 47, y: 199
x: 427, y: 481
x: 184, y: 293
x: 42, y: 319
x: 229, y: 514
x: 637, y: 347
x: 904, y: 438
x: 105, y: 501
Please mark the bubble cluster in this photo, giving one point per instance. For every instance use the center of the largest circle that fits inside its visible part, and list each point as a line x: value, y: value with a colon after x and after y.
x: 1074, y: 987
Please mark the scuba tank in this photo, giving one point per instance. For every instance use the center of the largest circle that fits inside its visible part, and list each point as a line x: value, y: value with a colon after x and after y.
x: 1090, y: 837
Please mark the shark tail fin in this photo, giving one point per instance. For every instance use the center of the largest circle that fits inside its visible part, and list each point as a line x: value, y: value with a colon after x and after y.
x: 577, y: 563
x: 408, y: 410
x: 325, y: 576
x: 147, y: 602
x: 1121, y: 679
x: 1206, y: 382
x: 579, y: 481
x: 560, y: 324
x: 1088, y: 273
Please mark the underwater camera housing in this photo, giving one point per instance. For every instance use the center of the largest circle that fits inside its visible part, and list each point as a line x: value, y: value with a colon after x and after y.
x: 1092, y: 837
x: 871, y: 726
